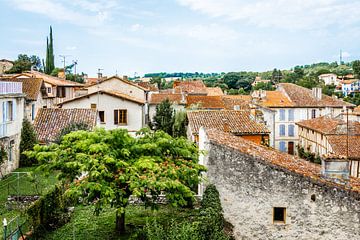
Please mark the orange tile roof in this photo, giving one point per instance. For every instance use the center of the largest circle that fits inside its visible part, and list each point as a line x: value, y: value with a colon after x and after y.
x: 328, y: 125
x: 50, y: 121
x: 230, y: 101
x: 357, y: 109
x: 282, y: 161
x: 275, y: 99
x: 157, y: 98
x: 240, y: 122
x: 205, y: 102
x: 214, y: 91
x: 53, y: 80
x: 338, y: 144
x: 108, y: 92
x: 190, y: 87
x: 31, y: 87
x: 303, y: 97
x: 148, y: 86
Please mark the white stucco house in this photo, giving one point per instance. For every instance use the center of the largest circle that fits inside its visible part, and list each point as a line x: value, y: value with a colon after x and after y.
x: 350, y: 86
x: 12, y: 112
x: 289, y: 104
x: 115, y: 109
x: 329, y: 78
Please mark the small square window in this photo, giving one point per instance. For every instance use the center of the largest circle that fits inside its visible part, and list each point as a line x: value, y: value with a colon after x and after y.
x: 279, y: 215
x: 93, y: 106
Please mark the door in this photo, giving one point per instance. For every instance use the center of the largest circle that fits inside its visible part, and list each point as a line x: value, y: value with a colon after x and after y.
x: 291, y: 148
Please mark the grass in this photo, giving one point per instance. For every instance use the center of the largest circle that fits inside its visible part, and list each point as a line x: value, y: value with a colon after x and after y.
x: 21, y: 184
x: 85, y: 225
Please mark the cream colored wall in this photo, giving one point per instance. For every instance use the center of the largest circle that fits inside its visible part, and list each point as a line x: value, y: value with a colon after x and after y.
x: 313, y: 141
x: 108, y: 104
x: 120, y: 86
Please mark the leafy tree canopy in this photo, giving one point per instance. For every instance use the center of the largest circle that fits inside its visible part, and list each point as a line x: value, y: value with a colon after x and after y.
x: 24, y: 63
x: 164, y: 117
x: 107, y: 167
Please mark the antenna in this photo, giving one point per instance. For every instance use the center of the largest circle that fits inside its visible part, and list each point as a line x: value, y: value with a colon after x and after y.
x: 100, y: 73
x: 75, y: 62
x: 64, y: 59
x: 340, y: 57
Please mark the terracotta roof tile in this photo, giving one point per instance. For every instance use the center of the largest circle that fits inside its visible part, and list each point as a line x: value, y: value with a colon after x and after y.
x: 31, y: 87
x: 157, y: 98
x: 232, y: 101
x: 149, y: 86
x: 50, y: 121
x: 118, y: 78
x: 328, y: 125
x: 303, y: 97
x: 214, y: 91
x: 205, y: 102
x: 276, y: 158
x: 190, y: 87
x: 240, y: 122
x: 275, y: 99
x: 108, y: 92
x: 338, y: 144
x: 53, y: 80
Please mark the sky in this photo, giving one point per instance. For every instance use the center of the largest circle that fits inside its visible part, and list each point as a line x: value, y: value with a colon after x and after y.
x: 128, y: 37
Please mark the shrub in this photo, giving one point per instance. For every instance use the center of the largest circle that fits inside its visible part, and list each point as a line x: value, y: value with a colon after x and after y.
x: 70, y: 128
x: 27, y: 142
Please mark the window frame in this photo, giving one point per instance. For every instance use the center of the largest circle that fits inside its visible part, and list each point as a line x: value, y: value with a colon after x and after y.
x: 120, y: 114
x: 282, y: 115
x: 103, y: 116
x: 282, y: 130
x: 277, y: 221
x: 291, y: 128
x: 291, y: 115
x: 313, y: 113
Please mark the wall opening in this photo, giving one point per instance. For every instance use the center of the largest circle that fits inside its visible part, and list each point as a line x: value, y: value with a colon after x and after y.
x: 279, y: 215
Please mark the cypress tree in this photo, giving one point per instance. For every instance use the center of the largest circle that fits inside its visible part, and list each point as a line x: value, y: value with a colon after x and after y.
x: 50, y: 63
x: 46, y: 67
x: 27, y: 142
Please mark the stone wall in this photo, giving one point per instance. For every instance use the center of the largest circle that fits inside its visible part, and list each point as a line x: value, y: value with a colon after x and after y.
x: 250, y: 188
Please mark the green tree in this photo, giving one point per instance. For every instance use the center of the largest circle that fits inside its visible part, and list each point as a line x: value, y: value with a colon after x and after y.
x: 71, y: 128
x: 164, y: 117
x: 107, y: 167
x: 24, y: 63
x: 28, y: 140
x: 276, y: 76
x: 157, y: 80
x: 356, y: 68
x: 264, y: 86
x: 180, y: 123
x: 308, y: 82
x: 50, y: 61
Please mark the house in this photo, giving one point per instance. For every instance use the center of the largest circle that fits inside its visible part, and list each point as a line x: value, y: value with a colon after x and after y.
x: 12, y: 112
x: 259, y: 80
x: 50, y: 121
x: 196, y: 87
x: 56, y: 88
x: 238, y: 123
x: 204, y: 102
x: 331, y: 136
x: 5, y: 65
x: 290, y: 103
x: 121, y: 85
x: 115, y: 109
x: 329, y: 79
x: 35, y: 95
x: 267, y: 194
x: 178, y: 101
x: 237, y: 102
x: 214, y: 91
x: 350, y: 86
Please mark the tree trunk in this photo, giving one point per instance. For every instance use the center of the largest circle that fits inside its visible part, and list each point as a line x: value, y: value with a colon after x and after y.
x: 120, y: 222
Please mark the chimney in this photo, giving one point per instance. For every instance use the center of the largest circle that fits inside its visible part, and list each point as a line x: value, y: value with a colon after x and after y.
x: 61, y: 73
x: 226, y: 125
x: 317, y: 92
x: 336, y: 168
x: 125, y: 77
x: 99, y: 75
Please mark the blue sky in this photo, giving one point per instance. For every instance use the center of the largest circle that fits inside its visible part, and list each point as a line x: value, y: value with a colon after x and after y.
x: 128, y: 36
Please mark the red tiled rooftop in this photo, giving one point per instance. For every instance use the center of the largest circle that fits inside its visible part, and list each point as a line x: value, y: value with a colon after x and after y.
x: 157, y: 98
x: 190, y: 87
x: 205, y: 102
x: 214, y: 91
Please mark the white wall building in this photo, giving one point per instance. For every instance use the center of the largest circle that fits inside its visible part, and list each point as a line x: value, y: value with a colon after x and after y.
x: 289, y: 104
x: 115, y: 110
x: 12, y: 112
x: 329, y: 78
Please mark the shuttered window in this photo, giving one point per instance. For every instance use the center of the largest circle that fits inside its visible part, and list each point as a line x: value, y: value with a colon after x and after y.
x: 120, y: 116
x: 282, y: 146
x: 282, y: 129
x: 291, y: 131
x: 282, y: 114
x: 291, y: 115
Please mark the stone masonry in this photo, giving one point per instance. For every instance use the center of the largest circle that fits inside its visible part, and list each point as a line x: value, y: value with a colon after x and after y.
x: 251, y: 185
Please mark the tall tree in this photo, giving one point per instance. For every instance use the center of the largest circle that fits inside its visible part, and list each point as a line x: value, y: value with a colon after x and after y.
x: 164, y: 117
x: 117, y: 166
x: 50, y: 62
x: 356, y: 68
x: 27, y: 142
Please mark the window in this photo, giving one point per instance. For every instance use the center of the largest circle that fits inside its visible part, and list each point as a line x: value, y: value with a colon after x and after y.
x: 279, y: 215
x: 61, y: 93
x: 32, y: 111
x: 282, y: 146
x: 291, y: 114
x: 49, y: 89
x: 313, y: 113
x: 282, y: 114
x: 291, y: 130
x: 120, y: 116
x: 282, y: 129
x: 93, y: 106
x: 102, y: 116
x: 9, y: 110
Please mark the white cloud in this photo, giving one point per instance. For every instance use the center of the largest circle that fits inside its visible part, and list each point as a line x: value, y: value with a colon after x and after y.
x: 84, y: 15
x: 287, y: 14
x: 345, y: 54
x: 135, y: 27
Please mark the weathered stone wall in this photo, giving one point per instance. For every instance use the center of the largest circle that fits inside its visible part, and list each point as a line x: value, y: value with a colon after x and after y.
x: 250, y: 188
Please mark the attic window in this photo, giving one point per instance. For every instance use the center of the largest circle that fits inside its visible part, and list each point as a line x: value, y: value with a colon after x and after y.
x: 279, y: 215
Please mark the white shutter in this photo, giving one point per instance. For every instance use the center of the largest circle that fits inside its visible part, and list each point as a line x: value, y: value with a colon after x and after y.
x: 4, y: 111
x: 14, y: 110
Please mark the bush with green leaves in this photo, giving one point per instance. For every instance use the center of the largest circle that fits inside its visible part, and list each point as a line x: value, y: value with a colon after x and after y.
x: 27, y: 142
x: 71, y: 128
